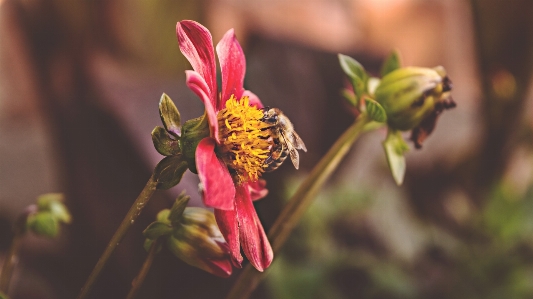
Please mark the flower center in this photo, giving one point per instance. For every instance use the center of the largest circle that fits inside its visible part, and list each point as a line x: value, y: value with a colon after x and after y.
x: 245, y: 140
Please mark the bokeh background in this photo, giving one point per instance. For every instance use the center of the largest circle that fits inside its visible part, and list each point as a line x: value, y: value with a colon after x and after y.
x: 79, y: 86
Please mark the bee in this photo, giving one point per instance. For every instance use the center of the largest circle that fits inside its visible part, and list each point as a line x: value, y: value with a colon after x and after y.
x: 285, y: 140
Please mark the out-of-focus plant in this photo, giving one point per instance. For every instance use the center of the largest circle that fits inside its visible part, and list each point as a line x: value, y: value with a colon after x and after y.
x: 42, y: 219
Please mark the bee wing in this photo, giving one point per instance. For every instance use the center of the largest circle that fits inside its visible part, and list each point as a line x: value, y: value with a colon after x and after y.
x: 298, y: 143
x: 295, y: 157
x: 293, y: 152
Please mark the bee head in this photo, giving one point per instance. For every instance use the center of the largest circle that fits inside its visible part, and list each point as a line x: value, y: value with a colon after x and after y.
x: 270, y: 115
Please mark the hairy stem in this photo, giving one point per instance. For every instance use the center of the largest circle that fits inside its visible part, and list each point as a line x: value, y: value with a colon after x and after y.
x: 128, y: 221
x: 139, y: 279
x: 298, y: 204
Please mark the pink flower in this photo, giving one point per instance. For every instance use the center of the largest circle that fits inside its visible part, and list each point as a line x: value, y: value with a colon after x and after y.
x: 231, y: 160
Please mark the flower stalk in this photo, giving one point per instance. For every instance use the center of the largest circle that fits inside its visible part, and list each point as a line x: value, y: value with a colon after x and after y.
x: 128, y: 221
x: 139, y: 279
x: 299, y: 202
x: 9, y: 263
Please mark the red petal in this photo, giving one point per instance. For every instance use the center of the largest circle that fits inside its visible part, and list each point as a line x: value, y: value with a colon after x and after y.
x: 253, y: 239
x: 196, y: 44
x: 257, y: 189
x: 219, y: 190
x: 254, y: 99
x: 232, y: 66
x: 198, y: 85
x: 229, y: 227
x: 220, y: 268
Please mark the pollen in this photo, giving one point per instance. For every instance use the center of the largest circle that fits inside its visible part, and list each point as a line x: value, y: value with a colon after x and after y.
x: 245, y: 141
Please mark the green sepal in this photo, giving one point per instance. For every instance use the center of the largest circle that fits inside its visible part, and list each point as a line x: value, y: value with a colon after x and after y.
x: 356, y: 72
x: 375, y: 111
x: 157, y: 229
x: 53, y: 203
x: 193, y: 131
x: 395, y: 148
x: 162, y: 216
x: 43, y: 224
x: 177, y: 209
x: 148, y: 244
x: 392, y: 63
x: 163, y: 143
x: 170, y: 116
x: 169, y: 171
x: 350, y: 97
x: 3, y: 296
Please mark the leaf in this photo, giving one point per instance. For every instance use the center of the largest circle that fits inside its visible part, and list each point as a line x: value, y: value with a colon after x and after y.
x: 391, y: 63
x: 352, y: 68
x: 375, y: 111
x: 169, y: 171
x: 43, y: 224
x: 157, y: 229
x: 164, y: 145
x: 349, y: 96
x: 170, y: 115
x: 177, y: 208
x: 395, y: 147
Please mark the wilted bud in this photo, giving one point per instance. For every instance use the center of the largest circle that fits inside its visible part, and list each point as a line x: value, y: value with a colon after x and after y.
x: 411, y: 95
x: 198, y: 242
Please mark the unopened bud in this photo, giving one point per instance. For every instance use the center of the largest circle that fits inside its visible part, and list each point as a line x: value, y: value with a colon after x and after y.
x: 198, y: 242
x: 411, y: 94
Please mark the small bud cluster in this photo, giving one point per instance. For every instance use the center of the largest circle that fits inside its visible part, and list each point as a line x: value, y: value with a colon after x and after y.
x: 45, y: 217
x: 192, y: 235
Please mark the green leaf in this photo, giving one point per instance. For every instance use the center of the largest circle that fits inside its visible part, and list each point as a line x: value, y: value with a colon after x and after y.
x: 43, y: 224
x: 359, y: 86
x: 164, y: 145
x: 157, y: 229
x: 44, y: 200
x: 170, y: 115
x: 395, y: 147
x: 169, y: 171
x: 60, y: 211
x: 391, y: 63
x: 352, y: 68
x: 3, y: 296
x: 177, y: 209
x: 349, y: 96
x: 375, y: 111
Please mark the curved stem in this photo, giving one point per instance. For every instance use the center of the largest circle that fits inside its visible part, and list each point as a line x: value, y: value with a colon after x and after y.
x: 139, y: 279
x: 298, y: 204
x: 9, y: 264
x: 128, y: 221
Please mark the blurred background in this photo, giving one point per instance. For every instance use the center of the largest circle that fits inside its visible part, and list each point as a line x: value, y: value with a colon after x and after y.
x: 80, y: 83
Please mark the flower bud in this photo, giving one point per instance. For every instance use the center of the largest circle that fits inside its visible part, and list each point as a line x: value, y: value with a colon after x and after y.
x: 198, y: 242
x: 411, y: 94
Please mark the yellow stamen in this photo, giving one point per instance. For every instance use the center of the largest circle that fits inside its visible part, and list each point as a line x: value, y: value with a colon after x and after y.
x: 244, y: 139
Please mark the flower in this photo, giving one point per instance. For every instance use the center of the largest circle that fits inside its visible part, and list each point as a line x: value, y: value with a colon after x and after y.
x: 231, y: 159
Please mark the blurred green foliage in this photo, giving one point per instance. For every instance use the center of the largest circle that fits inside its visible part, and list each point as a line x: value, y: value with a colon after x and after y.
x: 340, y: 251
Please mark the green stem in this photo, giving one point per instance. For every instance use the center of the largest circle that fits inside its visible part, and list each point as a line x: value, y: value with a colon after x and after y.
x: 128, y: 221
x: 139, y: 279
x: 9, y: 264
x: 298, y: 204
